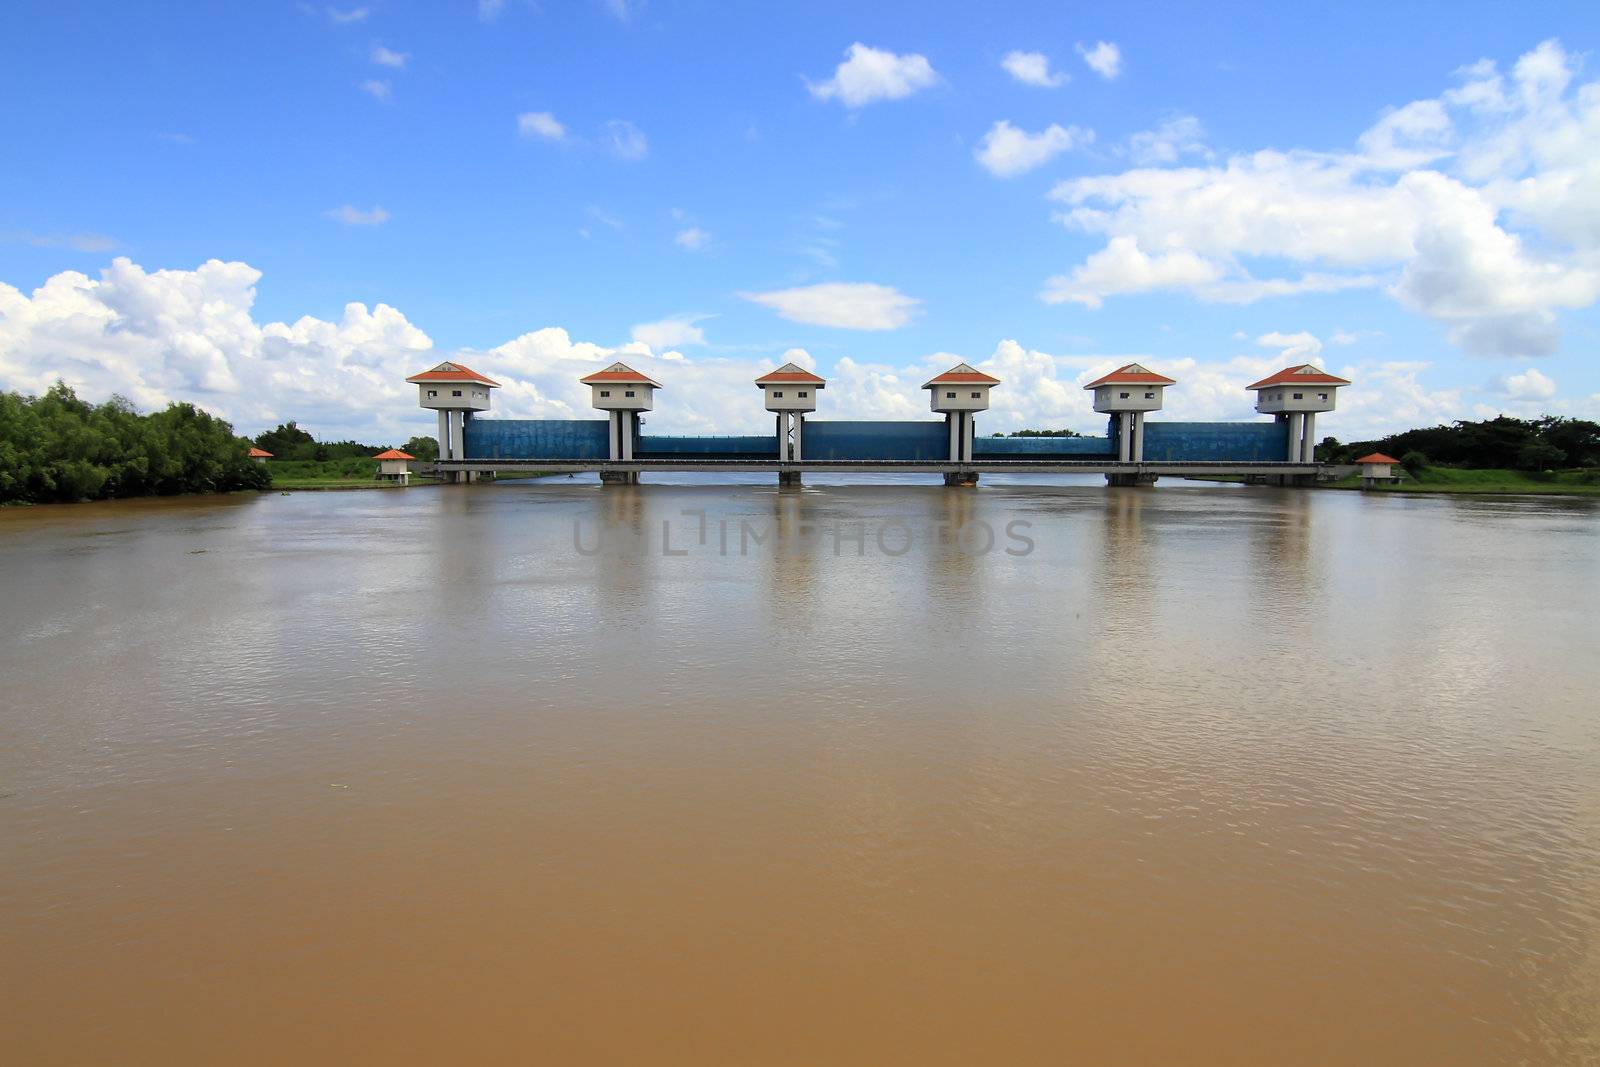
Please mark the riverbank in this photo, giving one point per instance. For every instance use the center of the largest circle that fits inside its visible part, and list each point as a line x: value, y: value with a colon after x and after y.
x: 1486, y: 481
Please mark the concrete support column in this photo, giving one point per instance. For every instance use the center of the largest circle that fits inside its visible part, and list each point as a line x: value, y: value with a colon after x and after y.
x: 966, y: 440
x: 799, y: 430
x: 613, y: 444
x: 1296, y: 424
x: 444, y: 435
x: 1125, y: 436
x: 1310, y: 453
x: 1138, y: 437
x: 457, y: 449
x: 953, y: 420
x: 628, y: 425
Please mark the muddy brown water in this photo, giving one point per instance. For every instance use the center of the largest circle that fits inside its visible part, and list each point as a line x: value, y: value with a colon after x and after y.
x: 529, y: 773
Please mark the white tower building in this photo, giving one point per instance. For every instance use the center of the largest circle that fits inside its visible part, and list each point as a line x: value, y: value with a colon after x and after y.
x: 455, y: 392
x: 1128, y: 393
x: 790, y: 392
x: 1296, y: 395
x: 622, y: 393
x: 959, y: 394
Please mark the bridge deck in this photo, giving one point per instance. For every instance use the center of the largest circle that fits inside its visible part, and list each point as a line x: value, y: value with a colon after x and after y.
x: 993, y: 466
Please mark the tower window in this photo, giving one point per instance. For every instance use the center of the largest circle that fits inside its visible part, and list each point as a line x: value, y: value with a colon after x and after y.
x: 1122, y: 396
x: 802, y: 394
x: 605, y: 392
x: 977, y: 396
x: 628, y: 392
x: 949, y: 396
x: 455, y: 392
x: 1299, y: 396
x: 1149, y: 396
x: 777, y: 394
x: 1322, y: 396
x: 433, y: 392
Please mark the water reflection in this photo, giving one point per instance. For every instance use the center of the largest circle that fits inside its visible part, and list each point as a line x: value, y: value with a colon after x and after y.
x: 424, y: 772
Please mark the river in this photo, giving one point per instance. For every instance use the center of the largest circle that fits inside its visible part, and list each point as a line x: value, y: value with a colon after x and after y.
x: 866, y: 773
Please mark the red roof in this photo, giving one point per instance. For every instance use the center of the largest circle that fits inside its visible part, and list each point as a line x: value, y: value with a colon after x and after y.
x: 259, y: 453
x: 393, y: 453
x: 621, y: 374
x: 1379, y: 457
x: 961, y: 374
x: 1304, y: 374
x: 790, y: 372
x: 453, y: 372
x: 1132, y: 374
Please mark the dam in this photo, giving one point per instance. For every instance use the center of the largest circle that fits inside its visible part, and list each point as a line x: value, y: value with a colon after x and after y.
x: 1133, y: 451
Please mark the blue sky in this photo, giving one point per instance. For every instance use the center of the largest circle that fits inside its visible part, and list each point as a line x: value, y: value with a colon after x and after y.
x: 878, y: 190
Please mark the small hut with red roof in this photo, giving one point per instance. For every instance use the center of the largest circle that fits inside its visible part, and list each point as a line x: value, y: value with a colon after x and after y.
x: 1378, y: 469
x: 1128, y: 392
x: 260, y: 455
x: 393, y: 466
x: 959, y: 394
x: 790, y: 392
x: 1295, y: 395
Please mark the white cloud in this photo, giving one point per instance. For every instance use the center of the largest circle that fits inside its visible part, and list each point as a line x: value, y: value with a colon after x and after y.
x: 378, y: 89
x: 1033, y: 68
x: 540, y: 124
x: 670, y: 333
x: 1105, y: 59
x: 1530, y: 385
x: 849, y: 305
x: 625, y: 140
x: 351, y: 215
x: 1178, y: 136
x: 78, y: 242
x: 693, y: 238
x: 489, y: 10
x: 1006, y: 151
x: 1121, y: 267
x: 345, y: 18
x: 624, y: 10
x: 169, y: 335
x: 1479, y: 209
x: 870, y: 74
x: 385, y: 57
x: 1301, y: 346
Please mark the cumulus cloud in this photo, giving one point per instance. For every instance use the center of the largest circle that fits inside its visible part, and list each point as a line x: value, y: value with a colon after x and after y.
x: 870, y: 74
x: 540, y: 124
x: 489, y: 10
x: 385, y: 57
x: 1303, y: 347
x: 849, y: 305
x: 1105, y: 59
x: 1122, y: 267
x: 670, y: 333
x: 1530, y: 385
x: 351, y: 215
x: 1479, y: 210
x: 378, y: 89
x: 1006, y: 151
x: 346, y: 17
x: 1179, y: 136
x: 159, y: 336
x: 1033, y: 68
x: 625, y: 140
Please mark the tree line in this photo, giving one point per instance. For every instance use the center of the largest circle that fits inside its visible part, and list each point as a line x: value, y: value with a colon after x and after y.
x: 58, y: 448
x: 289, y: 442
x: 1548, y: 443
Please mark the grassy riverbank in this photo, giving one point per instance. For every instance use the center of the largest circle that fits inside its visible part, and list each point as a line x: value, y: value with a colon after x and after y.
x: 355, y: 472
x: 1489, y: 480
